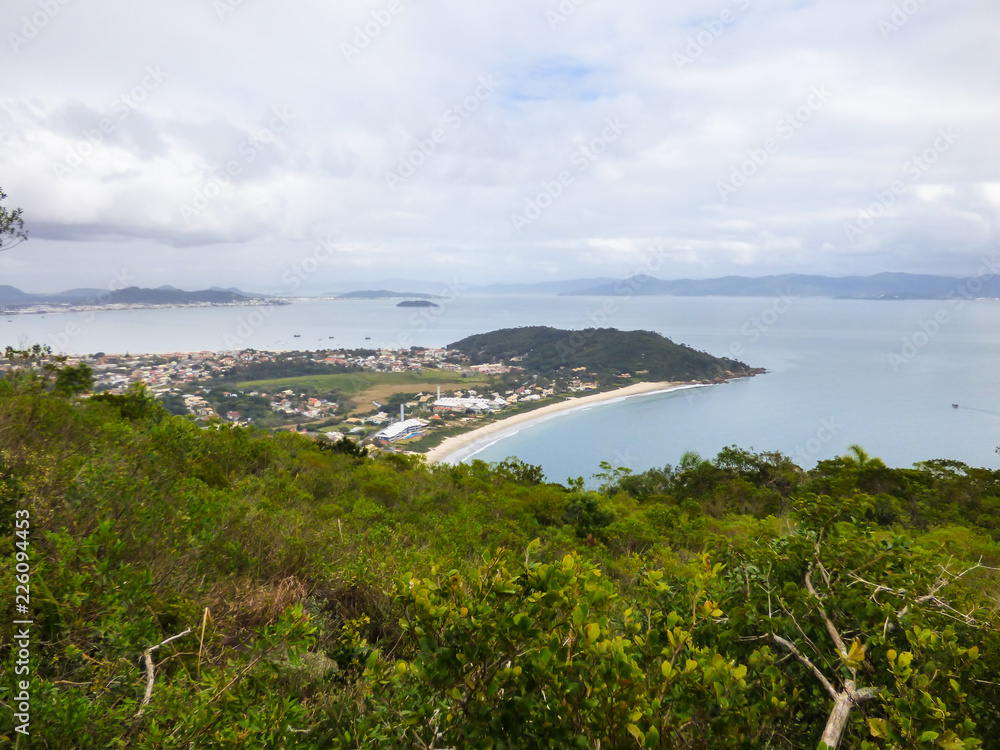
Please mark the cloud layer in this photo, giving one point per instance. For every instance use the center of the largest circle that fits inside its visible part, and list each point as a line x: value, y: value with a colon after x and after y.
x: 213, y: 141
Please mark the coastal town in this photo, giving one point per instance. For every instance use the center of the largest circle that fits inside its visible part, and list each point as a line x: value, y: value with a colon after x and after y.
x: 395, y: 399
x: 326, y: 393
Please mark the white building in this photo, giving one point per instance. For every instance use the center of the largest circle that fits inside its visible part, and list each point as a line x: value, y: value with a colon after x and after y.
x: 465, y: 404
x: 400, y: 430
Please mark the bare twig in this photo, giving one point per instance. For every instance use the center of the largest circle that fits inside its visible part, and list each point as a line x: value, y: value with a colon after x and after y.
x: 805, y: 660
x: 838, y: 641
x: 147, y: 656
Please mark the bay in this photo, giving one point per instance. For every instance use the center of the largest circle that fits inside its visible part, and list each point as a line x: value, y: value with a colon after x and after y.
x: 882, y: 374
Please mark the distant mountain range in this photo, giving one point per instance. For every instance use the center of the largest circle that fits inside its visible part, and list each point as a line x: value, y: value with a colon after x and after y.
x: 12, y: 297
x: 885, y: 286
x: 543, y: 287
x: 882, y: 286
x: 386, y: 294
x: 438, y: 289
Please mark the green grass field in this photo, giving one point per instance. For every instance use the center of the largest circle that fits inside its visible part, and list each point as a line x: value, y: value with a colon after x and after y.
x: 353, y: 384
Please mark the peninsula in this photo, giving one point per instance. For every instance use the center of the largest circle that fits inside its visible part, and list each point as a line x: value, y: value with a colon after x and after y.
x: 418, y: 399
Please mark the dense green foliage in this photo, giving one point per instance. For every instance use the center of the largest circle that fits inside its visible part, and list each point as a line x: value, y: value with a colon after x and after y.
x: 289, y: 365
x: 326, y: 599
x: 11, y: 225
x: 603, y: 352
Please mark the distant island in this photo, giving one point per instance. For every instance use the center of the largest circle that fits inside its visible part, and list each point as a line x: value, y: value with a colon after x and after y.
x: 13, y: 300
x: 386, y: 294
x: 417, y: 303
x: 882, y: 286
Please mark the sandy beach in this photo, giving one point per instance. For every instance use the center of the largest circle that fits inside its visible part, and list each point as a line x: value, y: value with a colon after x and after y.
x: 484, y: 434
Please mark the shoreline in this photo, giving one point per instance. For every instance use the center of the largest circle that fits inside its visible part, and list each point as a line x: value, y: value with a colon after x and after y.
x: 45, y: 309
x: 476, y: 439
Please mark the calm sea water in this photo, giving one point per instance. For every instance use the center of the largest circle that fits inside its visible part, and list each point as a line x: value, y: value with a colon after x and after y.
x: 880, y: 374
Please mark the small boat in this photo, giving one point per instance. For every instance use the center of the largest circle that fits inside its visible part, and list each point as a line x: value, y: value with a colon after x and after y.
x: 297, y: 335
x: 368, y: 338
x: 954, y: 406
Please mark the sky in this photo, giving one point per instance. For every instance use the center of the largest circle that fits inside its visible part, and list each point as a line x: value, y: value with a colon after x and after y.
x: 309, y: 146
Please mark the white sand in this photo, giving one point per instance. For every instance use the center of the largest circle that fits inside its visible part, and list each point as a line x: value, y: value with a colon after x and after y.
x: 491, y: 432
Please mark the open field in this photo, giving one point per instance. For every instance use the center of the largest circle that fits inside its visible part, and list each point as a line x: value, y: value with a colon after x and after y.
x: 352, y: 383
x: 365, y: 387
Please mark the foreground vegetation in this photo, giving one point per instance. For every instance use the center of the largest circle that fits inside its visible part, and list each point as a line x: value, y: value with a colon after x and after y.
x: 224, y: 588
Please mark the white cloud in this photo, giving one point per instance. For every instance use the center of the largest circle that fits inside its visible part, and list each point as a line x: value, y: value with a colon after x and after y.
x: 751, y: 63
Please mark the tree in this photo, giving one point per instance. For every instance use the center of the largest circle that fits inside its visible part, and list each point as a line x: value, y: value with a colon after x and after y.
x: 37, y: 365
x: 886, y: 635
x: 861, y: 459
x: 11, y: 226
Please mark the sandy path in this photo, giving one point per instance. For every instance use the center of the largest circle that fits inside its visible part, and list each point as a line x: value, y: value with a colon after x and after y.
x: 459, y: 442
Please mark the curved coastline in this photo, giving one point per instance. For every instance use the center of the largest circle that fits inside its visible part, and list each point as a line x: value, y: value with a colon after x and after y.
x: 460, y: 447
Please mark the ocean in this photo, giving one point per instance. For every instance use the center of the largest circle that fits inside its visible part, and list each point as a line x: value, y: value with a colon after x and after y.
x: 882, y: 374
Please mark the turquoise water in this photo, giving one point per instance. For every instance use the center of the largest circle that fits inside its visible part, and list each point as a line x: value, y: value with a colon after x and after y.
x: 831, y: 383
x: 839, y: 370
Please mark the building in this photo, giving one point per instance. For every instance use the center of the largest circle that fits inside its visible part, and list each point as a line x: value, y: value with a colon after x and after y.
x: 467, y: 404
x: 400, y: 431
x: 494, y: 369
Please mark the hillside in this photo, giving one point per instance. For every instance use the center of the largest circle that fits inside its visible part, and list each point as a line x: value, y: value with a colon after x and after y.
x: 224, y: 588
x: 385, y: 294
x: 137, y: 295
x: 132, y: 295
x: 602, y: 352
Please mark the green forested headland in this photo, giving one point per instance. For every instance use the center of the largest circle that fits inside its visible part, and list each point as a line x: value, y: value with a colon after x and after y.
x: 604, y: 352
x: 220, y: 587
